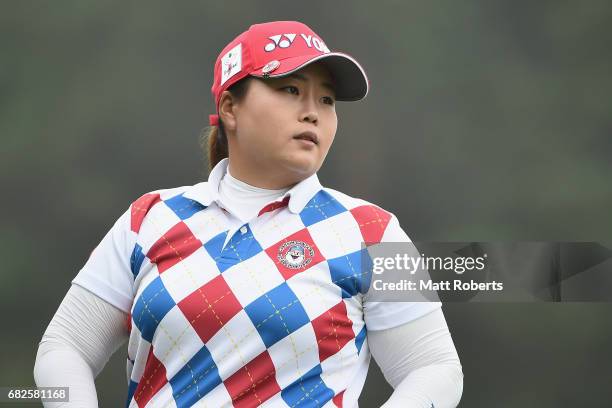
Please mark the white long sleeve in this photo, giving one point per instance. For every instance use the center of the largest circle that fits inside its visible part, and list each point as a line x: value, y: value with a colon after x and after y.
x: 418, y: 358
x: 82, y: 336
x: 420, y: 362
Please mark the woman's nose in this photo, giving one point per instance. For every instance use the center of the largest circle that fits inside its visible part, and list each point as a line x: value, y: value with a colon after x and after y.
x: 309, y: 114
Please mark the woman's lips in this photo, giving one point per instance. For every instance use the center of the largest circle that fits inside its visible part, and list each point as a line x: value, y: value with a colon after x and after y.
x: 310, y: 137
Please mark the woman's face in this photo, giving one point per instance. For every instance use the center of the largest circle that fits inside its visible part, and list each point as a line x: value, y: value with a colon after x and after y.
x: 283, y: 128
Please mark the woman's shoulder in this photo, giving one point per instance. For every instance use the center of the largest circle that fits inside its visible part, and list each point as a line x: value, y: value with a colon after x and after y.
x: 169, y: 192
x: 165, y: 193
x: 375, y: 223
x: 147, y: 200
x: 354, y: 204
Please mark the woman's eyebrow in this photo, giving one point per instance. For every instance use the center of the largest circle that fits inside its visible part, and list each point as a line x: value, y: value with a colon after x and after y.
x: 301, y: 77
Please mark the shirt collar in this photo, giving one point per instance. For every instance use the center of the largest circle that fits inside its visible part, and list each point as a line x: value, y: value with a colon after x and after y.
x: 208, y: 192
x: 301, y: 193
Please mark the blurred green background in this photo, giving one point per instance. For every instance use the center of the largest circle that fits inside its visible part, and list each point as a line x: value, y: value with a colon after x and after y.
x: 487, y: 120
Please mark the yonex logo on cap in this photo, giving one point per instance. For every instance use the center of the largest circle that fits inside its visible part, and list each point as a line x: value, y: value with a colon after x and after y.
x: 310, y: 40
x: 278, y: 42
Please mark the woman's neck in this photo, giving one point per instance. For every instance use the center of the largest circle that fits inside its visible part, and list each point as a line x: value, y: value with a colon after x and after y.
x: 242, y: 187
x: 244, y: 200
x: 267, y: 180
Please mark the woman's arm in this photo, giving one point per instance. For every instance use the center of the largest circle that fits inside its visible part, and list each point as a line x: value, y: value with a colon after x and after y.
x: 80, y: 339
x: 420, y: 362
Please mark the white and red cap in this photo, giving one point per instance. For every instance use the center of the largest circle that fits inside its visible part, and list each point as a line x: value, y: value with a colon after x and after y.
x: 278, y: 48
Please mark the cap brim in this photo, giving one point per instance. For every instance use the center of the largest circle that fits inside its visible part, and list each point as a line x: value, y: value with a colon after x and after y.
x: 350, y: 79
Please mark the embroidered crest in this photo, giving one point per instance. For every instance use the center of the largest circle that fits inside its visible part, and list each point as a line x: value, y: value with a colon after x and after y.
x: 295, y: 254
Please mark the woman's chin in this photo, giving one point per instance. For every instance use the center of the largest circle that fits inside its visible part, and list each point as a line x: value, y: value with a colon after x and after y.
x: 302, y: 165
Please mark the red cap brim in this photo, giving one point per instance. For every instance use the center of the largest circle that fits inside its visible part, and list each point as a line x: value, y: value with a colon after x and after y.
x: 349, y: 77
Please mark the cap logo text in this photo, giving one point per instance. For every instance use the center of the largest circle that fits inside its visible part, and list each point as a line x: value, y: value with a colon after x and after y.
x: 310, y: 40
x: 318, y: 44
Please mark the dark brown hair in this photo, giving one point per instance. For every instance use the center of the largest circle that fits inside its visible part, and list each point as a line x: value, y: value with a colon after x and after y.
x: 213, y: 139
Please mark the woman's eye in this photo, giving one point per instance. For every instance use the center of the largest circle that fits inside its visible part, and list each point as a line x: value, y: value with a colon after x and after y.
x: 328, y: 100
x: 292, y: 88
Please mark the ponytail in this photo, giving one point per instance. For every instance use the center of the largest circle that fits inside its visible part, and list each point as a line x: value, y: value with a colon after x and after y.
x: 216, y: 144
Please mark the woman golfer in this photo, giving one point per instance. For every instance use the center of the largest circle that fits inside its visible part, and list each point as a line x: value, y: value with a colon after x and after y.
x: 247, y: 289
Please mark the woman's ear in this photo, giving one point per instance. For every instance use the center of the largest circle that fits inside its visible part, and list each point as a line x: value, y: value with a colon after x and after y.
x: 227, y: 111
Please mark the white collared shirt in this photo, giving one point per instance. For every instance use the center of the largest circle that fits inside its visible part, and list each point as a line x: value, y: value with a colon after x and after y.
x: 238, y: 198
x: 228, y: 312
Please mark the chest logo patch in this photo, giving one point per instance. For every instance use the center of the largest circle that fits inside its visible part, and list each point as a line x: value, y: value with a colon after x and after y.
x: 295, y: 254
